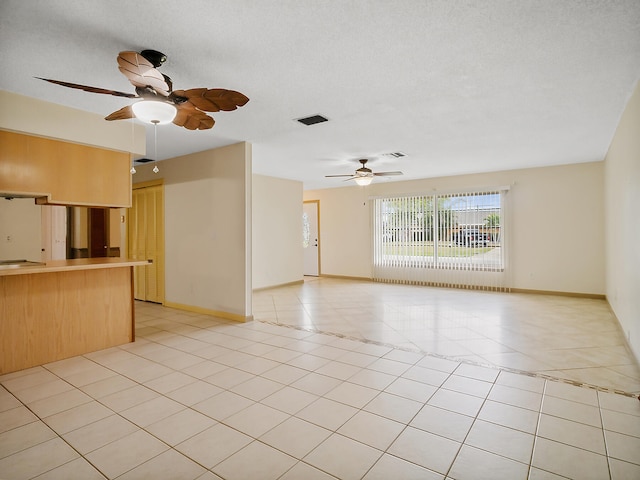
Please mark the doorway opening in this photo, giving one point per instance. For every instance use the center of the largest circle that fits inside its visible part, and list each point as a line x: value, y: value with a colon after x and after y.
x: 92, y: 232
x: 311, y: 237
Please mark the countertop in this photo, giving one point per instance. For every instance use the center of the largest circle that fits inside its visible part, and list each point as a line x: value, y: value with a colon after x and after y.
x: 74, y: 264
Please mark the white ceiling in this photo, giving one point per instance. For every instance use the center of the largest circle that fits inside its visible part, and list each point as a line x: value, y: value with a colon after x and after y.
x: 458, y: 86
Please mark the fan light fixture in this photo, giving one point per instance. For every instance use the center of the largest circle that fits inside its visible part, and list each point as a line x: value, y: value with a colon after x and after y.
x: 153, y: 111
x: 363, y: 181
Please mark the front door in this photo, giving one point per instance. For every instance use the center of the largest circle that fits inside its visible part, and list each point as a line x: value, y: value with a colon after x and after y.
x: 310, y: 238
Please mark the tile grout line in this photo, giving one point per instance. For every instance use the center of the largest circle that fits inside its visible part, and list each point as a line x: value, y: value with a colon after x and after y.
x: 536, y: 434
x: 604, y: 437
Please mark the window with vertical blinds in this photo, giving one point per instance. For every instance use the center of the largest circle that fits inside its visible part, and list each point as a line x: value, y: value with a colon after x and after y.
x: 442, y: 239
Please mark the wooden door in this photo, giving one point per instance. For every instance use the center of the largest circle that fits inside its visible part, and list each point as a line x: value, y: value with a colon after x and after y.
x: 146, y: 241
x: 154, y: 232
x: 98, y: 232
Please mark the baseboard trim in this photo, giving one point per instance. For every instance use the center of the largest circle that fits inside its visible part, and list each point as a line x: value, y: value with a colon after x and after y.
x: 346, y: 277
x: 624, y: 335
x: 595, y: 296
x: 214, y: 313
x: 287, y: 284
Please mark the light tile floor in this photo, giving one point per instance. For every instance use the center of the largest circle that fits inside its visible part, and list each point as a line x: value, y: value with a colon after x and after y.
x: 197, y: 397
x: 563, y: 337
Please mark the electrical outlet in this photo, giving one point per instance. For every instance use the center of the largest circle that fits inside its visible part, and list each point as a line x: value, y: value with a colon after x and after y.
x: 8, y: 238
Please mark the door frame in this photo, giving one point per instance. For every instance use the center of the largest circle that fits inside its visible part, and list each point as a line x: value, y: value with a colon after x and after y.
x: 317, y: 202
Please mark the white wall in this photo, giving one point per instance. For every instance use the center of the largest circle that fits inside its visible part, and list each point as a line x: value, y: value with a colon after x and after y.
x: 622, y: 224
x: 556, y: 219
x: 207, y: 198
x: 277, y: 231
x: 20, y: 229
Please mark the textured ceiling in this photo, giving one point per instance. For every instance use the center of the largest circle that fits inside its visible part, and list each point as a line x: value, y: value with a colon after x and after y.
x: 459, y: 86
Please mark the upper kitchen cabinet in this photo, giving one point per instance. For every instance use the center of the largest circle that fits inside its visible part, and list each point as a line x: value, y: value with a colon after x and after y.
x: 63, y: 173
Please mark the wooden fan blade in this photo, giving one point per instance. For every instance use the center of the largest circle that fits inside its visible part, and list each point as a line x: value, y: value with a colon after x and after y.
x: 338, y: 175
x: 387, y: 174
x: 122, y: 114
x: 141, y: 72
x: 191, y: 118
x: 213, y: 99
x: 87, y: 88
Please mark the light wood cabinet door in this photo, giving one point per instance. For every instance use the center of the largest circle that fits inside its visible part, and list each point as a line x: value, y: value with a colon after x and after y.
x: 62, y: 173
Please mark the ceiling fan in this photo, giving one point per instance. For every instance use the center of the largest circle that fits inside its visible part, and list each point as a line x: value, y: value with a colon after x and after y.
x: 363, y: 175
x: 159, y: 103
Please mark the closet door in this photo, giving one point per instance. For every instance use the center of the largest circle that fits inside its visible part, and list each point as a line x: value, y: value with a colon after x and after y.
x: 146, y: 242
x: 154, y: 272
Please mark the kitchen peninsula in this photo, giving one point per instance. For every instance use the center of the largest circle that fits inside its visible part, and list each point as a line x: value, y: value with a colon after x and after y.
x: 64, y: 308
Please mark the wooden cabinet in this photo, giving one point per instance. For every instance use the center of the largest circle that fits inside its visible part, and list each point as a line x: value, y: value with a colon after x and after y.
x: 63, y: 309
x: 62, y: 173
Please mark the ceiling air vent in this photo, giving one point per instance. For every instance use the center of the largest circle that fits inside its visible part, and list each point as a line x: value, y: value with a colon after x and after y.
x: 395, y: 154
x: 313, y: 119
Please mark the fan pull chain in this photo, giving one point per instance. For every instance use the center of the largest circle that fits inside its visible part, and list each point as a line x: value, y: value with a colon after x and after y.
x: 133, y: 139
x: 155, y: 143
